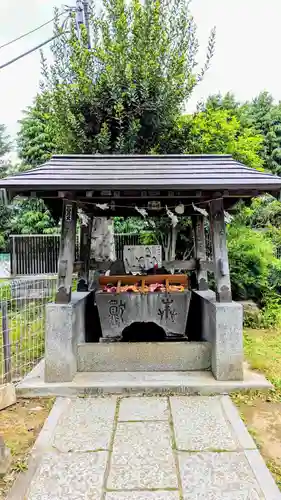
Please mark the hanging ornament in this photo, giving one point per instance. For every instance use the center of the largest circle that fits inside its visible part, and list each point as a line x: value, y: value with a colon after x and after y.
x: 154, y: 205
x: 179, y: 209
x: 102, y: 206
x: 84, y: 219
x: 172, y: 216
x: 227, y: 217
x: 202, y: 211
x: 141, y: 211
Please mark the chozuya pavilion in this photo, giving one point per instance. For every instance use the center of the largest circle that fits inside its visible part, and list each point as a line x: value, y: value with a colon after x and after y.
x: 202, y: 329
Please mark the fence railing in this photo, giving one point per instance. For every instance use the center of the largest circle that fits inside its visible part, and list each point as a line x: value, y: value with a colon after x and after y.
x: 34, y: 254
x: 22, y: 324
x: 39, y: 253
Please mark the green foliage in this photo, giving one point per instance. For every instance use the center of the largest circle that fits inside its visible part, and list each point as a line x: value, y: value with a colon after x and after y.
x: 30, y: 216
x: 261, y: 115
x: 251, y: 258
x: 25, y: 216
x: 255, y: 274
x: 216, y: 131
x: 265, y: 116
x: 36, y: 138
x: 129, y: 224
x: 128, y: 89
x: 5, y: 147
x: 263, y: 213
x: 5, y: 144
x: 271, y: 312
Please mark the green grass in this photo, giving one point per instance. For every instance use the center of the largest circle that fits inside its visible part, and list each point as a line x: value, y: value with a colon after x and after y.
x: 26, y: 336
x: 263, y: 351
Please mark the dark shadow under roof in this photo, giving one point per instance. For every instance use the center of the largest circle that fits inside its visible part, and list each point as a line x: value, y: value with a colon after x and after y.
x: 80, y: 172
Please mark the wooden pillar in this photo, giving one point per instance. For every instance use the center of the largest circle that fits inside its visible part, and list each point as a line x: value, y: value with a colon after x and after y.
x: 67, y: 251
x: 200, y: 251
x: 85, y: 251
x: 220, y: 256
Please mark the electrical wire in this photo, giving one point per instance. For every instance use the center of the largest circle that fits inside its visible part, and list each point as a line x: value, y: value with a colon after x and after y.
x: 32, y: 31
x: 28, y: 52
x: 34, y: 48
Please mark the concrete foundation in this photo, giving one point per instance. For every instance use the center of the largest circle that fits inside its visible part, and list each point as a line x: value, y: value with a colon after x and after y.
x: 135, y: 356
x: 65, y: 328
x: 180, y: 382
x: 222, y: 326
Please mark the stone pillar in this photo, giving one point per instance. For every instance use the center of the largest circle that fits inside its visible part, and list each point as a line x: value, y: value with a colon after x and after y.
x: 222, y: 325
x: 5, y: 458
x: 65, y: 328
x: 220, y: 256
x: 67, y: 251
x: 85, y: 249
x: 200, y: 251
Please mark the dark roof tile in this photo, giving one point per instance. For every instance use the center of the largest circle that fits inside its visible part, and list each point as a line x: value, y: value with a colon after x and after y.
x: 211, y: 172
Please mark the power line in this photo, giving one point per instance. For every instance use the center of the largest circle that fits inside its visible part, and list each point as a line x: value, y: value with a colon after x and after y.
x: 86, y: 14
x: 30, y: 32
x: 28, y: 52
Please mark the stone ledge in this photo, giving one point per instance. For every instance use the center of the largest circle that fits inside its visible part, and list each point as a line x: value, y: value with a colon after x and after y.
x: 95, y: 383
x: 7, y: 395
x: 143, y: 356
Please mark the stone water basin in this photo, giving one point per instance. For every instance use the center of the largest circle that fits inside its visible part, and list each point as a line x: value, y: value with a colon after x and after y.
x: 117, y: 311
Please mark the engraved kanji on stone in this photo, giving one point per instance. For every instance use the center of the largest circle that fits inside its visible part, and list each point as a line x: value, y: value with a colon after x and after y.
x: 116, y: 311
x: 168, y: 312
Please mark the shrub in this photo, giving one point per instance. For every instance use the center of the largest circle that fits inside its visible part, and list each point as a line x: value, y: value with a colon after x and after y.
x: 252, y: 263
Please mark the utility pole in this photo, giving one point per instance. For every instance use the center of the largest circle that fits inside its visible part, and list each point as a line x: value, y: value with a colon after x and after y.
x: 79, y: 17
x: 86, y: 20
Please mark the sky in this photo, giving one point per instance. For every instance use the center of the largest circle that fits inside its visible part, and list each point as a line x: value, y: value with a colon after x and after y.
x: 246, y: 61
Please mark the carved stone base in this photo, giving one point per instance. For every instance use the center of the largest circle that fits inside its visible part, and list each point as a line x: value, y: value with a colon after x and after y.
x: 118, y: 311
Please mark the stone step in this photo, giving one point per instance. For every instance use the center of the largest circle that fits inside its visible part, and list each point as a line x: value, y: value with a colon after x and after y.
x: 179, y: 382
x: 142, y: 356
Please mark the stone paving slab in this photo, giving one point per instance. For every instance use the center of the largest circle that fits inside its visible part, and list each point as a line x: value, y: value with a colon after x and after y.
x: 213, y: 476
x: 200, y: 424
x: 143, y: 495
x: 86, y: 425
x: 142, y: 457
x: 134, y: 408
x: 165, y: 448
x: 74, y: 476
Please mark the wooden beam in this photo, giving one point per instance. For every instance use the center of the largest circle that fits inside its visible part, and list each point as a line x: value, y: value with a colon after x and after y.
x: 187, y: 265
x: 67, y: 252
x: 85, y: 250
x: 200, y: 251
x: 181, y: 279
x: 220, y: 256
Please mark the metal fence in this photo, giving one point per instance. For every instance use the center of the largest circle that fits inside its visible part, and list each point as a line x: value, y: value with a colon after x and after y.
x: 22, y: 323
x: 35, y: 254
x: 121, y: 239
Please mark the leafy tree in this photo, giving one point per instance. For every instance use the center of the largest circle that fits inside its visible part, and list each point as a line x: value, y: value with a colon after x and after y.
x: 30, y: 216
x: 266, y: 118
x: 263, y: 213
x: 252, y: 260
x: 217, y: 102
x: 5, y: 144
x: 36, y: 138
x: 123, y: 93
x: 216, y: 130
x: 5, y: 147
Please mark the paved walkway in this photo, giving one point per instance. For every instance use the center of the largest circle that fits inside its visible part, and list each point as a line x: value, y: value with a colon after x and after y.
x: 145, y: 448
